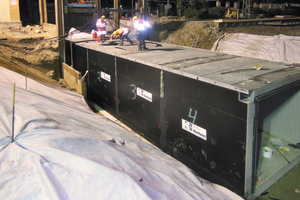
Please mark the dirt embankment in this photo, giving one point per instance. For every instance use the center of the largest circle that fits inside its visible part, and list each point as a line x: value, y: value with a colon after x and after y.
x: 30, y: 51
x: 185, y: 32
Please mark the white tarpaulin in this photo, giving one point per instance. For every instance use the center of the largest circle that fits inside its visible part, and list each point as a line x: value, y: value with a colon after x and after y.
x: 62, y: 150
x: 280, y: 48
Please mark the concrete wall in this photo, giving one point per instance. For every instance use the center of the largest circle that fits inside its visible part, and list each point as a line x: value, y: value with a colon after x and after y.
x: 72, y: 77
x: 126, y: 22
x: 9, y: 11
x: 4, y: 11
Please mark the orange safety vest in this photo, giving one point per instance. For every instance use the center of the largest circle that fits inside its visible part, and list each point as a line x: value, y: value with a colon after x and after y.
x: 121, y: 31
x: 101, y: 22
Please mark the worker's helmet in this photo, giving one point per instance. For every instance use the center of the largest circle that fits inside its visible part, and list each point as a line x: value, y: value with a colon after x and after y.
x: 103, y: 16
x: 135, y: 17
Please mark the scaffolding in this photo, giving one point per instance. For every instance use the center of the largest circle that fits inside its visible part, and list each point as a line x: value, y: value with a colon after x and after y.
x: 246, y: 8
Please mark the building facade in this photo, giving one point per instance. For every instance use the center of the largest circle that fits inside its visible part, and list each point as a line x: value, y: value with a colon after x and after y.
x: 9, y: 11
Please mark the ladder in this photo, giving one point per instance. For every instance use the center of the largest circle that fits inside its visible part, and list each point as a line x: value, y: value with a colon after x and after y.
x: 195, y: 42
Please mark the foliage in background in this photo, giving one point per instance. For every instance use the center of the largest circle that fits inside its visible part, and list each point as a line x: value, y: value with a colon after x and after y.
x: 258, y: 11
x: 198, y: 9
x: 191, y: 13
x: 274, y: 12
x: 199, y: 4
x: 180, y: 7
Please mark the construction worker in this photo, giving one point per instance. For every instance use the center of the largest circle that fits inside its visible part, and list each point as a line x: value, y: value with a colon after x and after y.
x: 141, y: 27
x: 101, y: 26
x: 122, y: 33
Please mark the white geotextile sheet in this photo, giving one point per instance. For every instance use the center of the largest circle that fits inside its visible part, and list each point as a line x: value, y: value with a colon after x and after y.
x: 280, y: 48
x: 62, y: 150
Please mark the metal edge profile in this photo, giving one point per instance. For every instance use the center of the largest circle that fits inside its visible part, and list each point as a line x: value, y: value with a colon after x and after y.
x: 277, y: 84
x: 249, y: 184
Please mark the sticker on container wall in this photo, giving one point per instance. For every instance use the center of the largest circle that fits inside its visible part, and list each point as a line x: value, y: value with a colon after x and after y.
x: 13, y: 2
x: 194, y: 129
x: 105, y: 76
x: 143, y: 93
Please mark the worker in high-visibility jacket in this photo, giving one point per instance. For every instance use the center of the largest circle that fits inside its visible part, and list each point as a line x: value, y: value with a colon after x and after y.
x: 122, y: 33
x: 141, y: 27
x: 101, y: 26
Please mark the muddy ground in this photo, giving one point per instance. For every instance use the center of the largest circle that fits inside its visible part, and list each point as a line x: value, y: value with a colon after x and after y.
x: 33, y: 52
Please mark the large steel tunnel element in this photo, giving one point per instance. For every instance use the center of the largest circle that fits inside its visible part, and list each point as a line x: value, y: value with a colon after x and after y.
x: 157, y: 103
x: 212, y: 126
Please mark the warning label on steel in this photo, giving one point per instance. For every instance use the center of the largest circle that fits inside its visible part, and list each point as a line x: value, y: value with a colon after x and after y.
x: 144, y: 94
x: 194, y: 129
x: 105, y: 76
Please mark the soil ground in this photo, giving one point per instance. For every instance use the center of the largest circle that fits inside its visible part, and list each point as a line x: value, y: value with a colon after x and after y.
x: 31, y: 52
